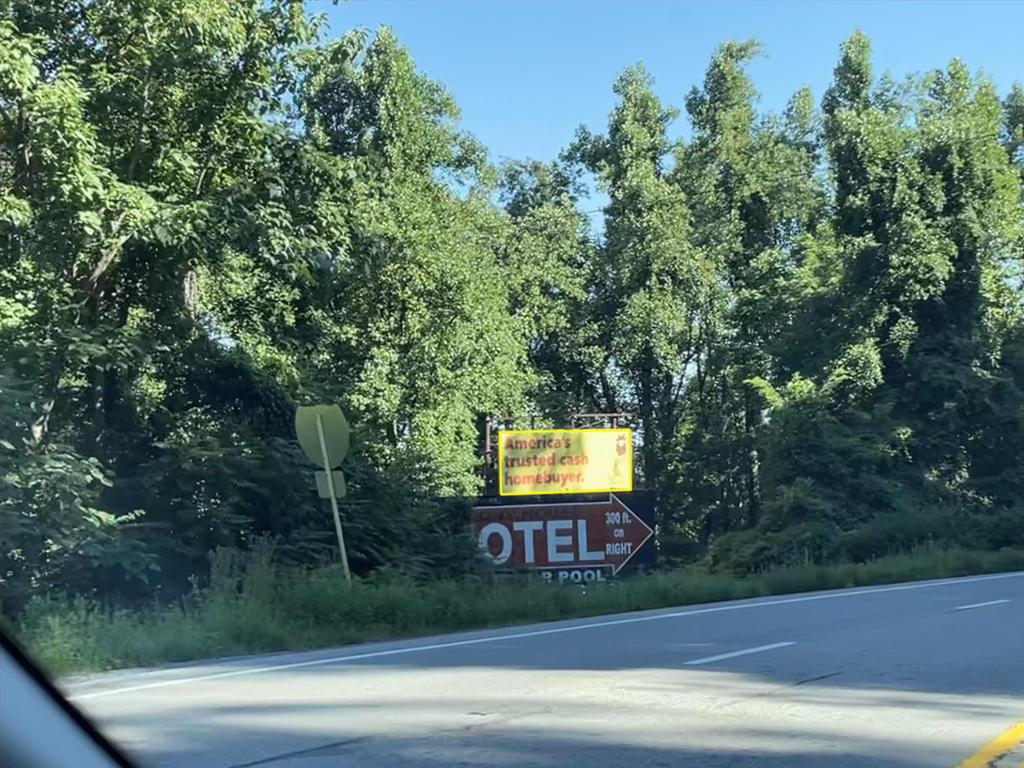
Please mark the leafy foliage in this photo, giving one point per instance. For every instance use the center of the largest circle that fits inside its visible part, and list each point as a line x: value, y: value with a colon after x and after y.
x: 209, y: 213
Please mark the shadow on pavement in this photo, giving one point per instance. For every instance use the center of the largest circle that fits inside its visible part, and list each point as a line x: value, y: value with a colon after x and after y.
x: 911, y: 684
x: 355, y: 727
x: 487, y: 750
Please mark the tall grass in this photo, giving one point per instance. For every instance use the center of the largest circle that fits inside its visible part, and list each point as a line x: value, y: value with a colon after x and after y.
x: 254, y: 605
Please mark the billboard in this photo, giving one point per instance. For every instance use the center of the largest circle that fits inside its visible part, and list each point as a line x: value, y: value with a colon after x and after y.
x: 550, y: 461
x: 568, y: 540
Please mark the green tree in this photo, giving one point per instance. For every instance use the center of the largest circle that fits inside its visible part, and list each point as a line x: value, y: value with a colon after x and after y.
x: 756, y: 201
x: 414, y: 334
x: 548, y: 261
x: 209, y: 214
x: 976, y: 210
x: 653, y: 289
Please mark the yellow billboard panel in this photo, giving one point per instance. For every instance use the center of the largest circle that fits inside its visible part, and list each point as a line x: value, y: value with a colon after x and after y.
x: 543, y: 461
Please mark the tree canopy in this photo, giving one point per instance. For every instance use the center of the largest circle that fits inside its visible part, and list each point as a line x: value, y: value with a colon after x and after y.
x: 210, y: 212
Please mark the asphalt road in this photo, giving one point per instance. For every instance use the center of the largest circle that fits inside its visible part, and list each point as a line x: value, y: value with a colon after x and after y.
x: 920, y: 675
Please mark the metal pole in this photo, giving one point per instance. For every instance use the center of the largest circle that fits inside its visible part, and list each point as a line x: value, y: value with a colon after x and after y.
x: 334, y: 499
x: 489, y: 463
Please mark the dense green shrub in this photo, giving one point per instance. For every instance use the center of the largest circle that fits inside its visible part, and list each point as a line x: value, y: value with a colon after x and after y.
x: 253, y: 604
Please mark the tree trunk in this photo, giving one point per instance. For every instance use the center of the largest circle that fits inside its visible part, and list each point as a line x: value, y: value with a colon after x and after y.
x: 751, y: 418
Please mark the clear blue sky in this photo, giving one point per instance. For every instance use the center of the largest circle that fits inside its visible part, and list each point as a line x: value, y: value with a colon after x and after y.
x: 525, y: 74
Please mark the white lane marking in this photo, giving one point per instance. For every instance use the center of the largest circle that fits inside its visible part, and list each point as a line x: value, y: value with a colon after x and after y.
x: 980, y: 605
x: 539, y: 633
x: 690, y: 645
x: 734, y: 654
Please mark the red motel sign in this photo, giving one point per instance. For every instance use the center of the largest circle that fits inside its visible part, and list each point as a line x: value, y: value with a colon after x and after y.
x: 602, y: 534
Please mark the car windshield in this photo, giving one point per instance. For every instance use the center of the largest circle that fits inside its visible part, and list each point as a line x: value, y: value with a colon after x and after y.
x: 495, y: 384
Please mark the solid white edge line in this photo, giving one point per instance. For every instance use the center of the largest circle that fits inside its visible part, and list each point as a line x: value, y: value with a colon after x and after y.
x: 734, y: 654
x: 538, y: 633
x: 980, y: 605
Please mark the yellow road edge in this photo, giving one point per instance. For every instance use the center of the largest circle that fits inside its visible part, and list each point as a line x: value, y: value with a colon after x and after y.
x: 1001, y: 745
